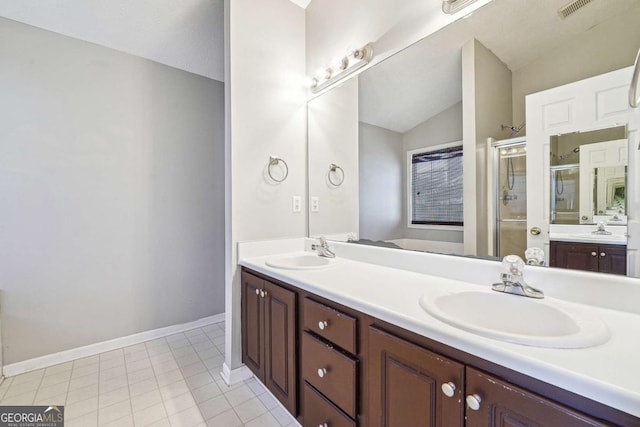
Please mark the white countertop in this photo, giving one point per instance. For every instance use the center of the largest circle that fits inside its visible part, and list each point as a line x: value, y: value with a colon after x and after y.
x: 609, y: 373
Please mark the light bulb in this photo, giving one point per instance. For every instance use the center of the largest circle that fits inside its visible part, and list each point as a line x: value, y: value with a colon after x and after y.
x: 340, y: 64
x: 310, y: 82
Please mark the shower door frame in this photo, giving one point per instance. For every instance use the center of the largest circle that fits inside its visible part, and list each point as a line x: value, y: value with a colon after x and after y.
x: 495, y: 146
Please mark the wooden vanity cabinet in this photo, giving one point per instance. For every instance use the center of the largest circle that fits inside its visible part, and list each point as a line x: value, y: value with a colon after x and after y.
x: 269, y: 336
x: 503, y: 404
x: 408, y: 383
x: 589, y: 257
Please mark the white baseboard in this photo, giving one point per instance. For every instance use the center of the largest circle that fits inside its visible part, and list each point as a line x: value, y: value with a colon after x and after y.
x: 233, y: 376
x: 100, y: 347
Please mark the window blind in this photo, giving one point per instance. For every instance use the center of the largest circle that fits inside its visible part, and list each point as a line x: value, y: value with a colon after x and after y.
x: 436, y: 187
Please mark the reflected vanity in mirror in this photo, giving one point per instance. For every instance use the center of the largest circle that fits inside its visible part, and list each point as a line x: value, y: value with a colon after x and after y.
x: 421, y: 97
x: 589, y: 177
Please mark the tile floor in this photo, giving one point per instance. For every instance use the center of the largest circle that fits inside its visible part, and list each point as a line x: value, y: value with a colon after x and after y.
x: 172, y: 381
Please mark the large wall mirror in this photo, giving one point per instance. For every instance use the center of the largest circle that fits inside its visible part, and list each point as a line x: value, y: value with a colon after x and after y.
x: 426, y: 98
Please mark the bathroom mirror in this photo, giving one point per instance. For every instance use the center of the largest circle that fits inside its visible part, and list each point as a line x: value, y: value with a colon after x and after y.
x: 589, y: 177
x: 413, y: 100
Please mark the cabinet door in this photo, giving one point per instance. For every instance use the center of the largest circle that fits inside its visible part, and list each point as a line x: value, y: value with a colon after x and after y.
x: 252, y: 324
x: 613, y: 259
x: 502, y: 404
x: 280, y: 334
x: 405, y: 384
x: 575, y: 256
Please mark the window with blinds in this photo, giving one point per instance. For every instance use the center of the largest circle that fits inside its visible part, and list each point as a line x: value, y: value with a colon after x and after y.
x: 436, y: 187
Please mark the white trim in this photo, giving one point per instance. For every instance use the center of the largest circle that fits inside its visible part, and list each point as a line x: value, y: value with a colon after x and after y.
x: 407, y: 190
x: 234, y: 376
x: 100, y: 347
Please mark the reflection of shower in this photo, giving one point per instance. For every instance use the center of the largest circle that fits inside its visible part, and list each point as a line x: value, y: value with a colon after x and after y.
x: 570, y: 153
x: 506, y: 197
x: 559, y: 182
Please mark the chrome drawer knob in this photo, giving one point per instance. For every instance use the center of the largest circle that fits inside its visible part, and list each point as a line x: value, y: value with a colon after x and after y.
x: 322, y: 372
x: 257, y: 291
x: 449, y: 389
x: 602, y: 254
x: 324, y: 425
x: 323, y: 324
x: 593, y: 254
x: 473, y: 402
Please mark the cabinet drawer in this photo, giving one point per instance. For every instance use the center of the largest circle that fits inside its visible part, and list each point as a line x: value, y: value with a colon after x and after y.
x: 331, y: 324
x: 318, y: 411
x: 331, y: 372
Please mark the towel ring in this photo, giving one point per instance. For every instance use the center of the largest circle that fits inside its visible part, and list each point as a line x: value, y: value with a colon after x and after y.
x: 333, y: 168
x: 273, y: 161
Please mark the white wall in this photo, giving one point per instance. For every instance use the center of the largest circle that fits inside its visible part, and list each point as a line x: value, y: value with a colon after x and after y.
x: 333, y: 139
x: 111, y: 181
x: 334, y: 26
x: 486, y: 89
x: 442, y: 128
x: 381, y: 175
x: 609, y: 46
x: 184, y: 34
x: 266, y: 116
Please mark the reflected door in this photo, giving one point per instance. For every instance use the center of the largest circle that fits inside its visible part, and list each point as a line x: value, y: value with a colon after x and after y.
x: 511, y: 198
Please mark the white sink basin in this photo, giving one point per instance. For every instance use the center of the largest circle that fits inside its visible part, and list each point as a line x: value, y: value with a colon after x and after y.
x: 298, y: 262
x: 517, y: 319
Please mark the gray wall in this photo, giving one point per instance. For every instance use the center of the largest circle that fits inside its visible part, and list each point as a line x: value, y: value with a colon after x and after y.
x: 111, y: 181
x: 381, y: 166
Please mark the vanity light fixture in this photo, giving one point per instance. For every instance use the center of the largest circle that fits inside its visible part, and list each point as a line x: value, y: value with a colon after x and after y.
x: 339, y: 69
x: 452, y: 6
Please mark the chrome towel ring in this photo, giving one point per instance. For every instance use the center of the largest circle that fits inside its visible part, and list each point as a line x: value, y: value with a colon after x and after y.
x: 333, y: 168
x: 274, y: 161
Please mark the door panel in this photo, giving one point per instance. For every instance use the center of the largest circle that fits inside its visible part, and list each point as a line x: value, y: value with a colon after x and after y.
x: 253, y: 327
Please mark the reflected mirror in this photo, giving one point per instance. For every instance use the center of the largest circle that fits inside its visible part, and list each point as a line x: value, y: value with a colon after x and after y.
x: 589, y: 177
x: 416, y: 100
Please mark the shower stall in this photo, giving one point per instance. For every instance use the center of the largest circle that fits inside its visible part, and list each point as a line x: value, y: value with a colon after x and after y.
x: 509, y: 187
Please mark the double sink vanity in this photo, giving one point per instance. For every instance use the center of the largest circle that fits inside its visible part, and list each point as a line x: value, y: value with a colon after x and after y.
x: 377, y: 336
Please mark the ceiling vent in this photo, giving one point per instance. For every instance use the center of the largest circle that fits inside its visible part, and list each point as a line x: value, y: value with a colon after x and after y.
x: 571, y: 8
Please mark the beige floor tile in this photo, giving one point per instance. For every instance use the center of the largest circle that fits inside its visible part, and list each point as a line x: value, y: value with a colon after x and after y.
x: 114, y: 412
x: 158, y: 359
x: 138, y: 365
x: 183, y: 351
x: 126, y: 421
x: 164, y: 367
x: 111, y: 397
x: 187, y: 418
x: 199, y: 380
x: 193, y: 369
x: 256, y: 386
x: 187, y: 359
x: 145, y: 400
x: 206, y: 392
x: 16, y: 389
x: 143, y: 387
x: 28, y: 377
x: 214, y: 363
x: 159, y: 349
x: 56, y: 369
x: 179, y: 344
x: 112, y: 362
x: 116, y: 371
x: 268, y: 400
x: 56, y: 378
x: 179, y: 403
x: 85, y: 381
x: 134, y: 356
x: 134, y: 349
x: 110, y: 355
x: 226, y: 419
x: 141, y: 375
x: 283, y: 417
x: 83, y: 371
x: 87, y: 420
x: 83, y: 393
x: 239, y: 395
x: 173, y: 390
x: 113, y: 384
x: 20, y: 399
x: 214, y: 407
x: 250, y: 409
x: 161, y: 423
x: 54, y: 390
x: 86, y: 361
x: 264, y: 420
x: 170, y: 377
x: 80, y: 408
x: 149, y: 415
x: 204, y: 345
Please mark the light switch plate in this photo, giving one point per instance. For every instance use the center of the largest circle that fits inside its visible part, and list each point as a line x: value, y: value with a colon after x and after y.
x: 297, y: 204
x: 315, y: 204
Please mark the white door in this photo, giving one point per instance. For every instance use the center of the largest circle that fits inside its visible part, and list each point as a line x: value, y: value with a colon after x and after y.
x: 589, y: 104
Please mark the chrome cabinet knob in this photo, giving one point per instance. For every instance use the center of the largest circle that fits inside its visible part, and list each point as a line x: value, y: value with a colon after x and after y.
x: 449, y: 389
x: 535, y: 231
x: 593, y: 254
x: 602, y: 254
x: 257, y: 291
x: 323, y: 324
x: 323, y: 425
x: 473, y: 402
x: 322, y: 372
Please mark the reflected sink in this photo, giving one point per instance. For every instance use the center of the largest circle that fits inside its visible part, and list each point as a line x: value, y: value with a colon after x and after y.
x: 517, y: 319
x: 298, y: 262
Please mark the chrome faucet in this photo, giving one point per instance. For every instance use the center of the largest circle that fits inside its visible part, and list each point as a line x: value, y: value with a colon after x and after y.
x: 601, y: 230
x: 323, y: 248
x: 513, y: 280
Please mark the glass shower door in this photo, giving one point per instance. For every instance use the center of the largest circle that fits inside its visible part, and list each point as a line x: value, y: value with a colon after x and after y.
x: 511, y: 203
